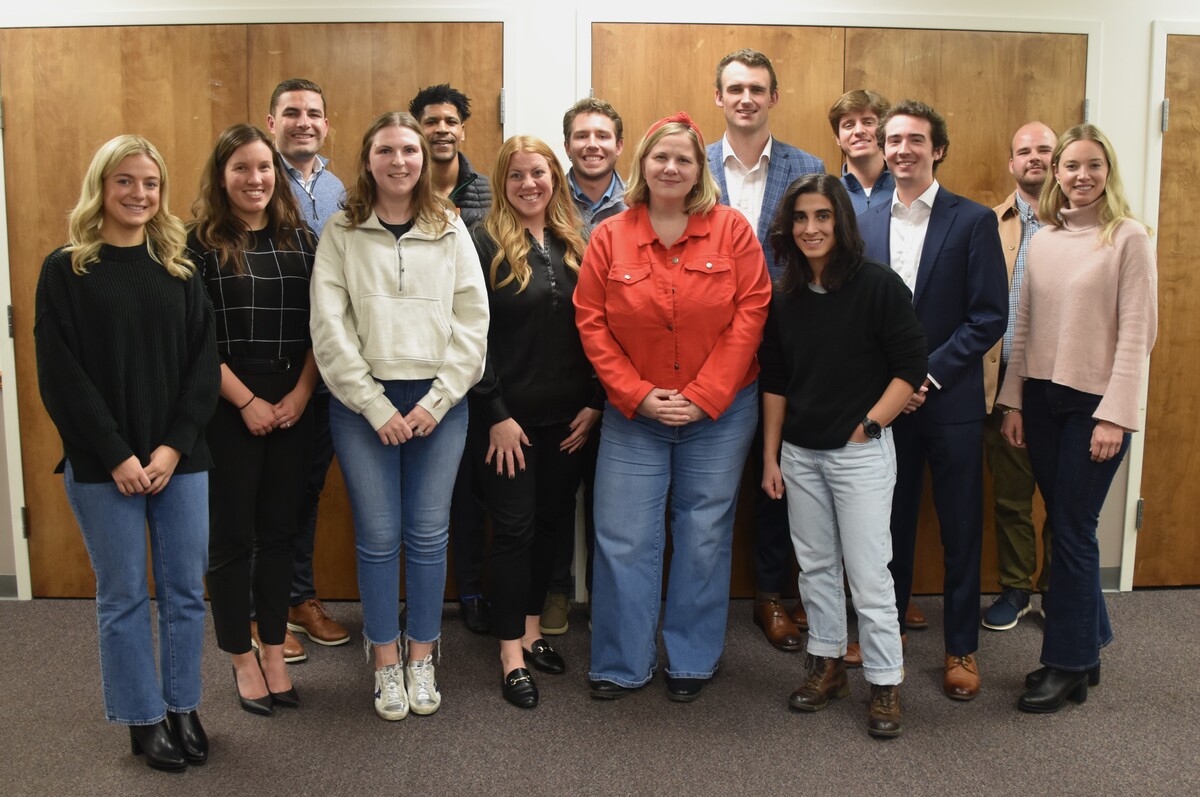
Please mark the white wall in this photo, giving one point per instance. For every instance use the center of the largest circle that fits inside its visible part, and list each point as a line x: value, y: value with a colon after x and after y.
x: 548, y: 55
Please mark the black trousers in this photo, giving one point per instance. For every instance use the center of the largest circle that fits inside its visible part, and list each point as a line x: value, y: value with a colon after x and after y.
x: 468, y: 538
x: 303, y: 585
x: 773, y: 551
x: 530, y: 514
x: 255, y: 491
x: 561, y: 582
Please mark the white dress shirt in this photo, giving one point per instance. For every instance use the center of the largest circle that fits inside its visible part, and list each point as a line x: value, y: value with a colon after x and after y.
x: 907, y: 239
x: 746, y: 185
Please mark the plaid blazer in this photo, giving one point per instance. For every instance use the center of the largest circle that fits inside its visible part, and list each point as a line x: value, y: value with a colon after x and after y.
x: 787, y: 163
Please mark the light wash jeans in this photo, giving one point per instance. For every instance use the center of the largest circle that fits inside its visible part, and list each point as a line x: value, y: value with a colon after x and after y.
x: 400, y: 496
x: 114, y: 532
x: 699, y: 468
x: 839, y: 509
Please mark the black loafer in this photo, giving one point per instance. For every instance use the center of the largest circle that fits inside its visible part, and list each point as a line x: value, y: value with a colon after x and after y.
x: 607, y: 690
x: 158, y: 745
x: 189, y: 735
x: 685, y: 690
x: 288, y: 699
x: 545, y: 658
x: 519, y: 689
x: 476, y: 615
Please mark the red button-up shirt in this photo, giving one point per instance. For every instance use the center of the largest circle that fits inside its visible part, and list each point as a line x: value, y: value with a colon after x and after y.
x: 688, y: 317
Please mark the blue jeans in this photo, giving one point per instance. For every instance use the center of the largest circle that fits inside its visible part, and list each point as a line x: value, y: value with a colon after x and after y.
x: 114, y: 532
x: 400, y: 495
x: 839, y: 508
x: 1058, y: 432
x: 698, y: 467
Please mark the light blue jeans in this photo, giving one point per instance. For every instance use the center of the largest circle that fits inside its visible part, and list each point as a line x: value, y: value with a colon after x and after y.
x: 114, y: 532
x: 400, y: 496
x: 699, y: 468
x: 839, y: 509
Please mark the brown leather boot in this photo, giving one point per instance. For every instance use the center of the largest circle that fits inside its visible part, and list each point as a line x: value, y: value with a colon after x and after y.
x: 772, y: 618
x: 826, y: 679
x: 884, y: 717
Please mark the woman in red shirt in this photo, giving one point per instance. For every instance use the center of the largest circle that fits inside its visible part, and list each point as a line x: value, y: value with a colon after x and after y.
x: 671, y: 302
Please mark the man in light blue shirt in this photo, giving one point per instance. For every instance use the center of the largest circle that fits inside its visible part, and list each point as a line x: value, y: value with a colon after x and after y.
x: 855, y: 120
x: 594, y: 138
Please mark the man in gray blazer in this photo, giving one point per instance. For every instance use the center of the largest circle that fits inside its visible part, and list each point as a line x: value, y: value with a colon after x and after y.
x: 753, y: 170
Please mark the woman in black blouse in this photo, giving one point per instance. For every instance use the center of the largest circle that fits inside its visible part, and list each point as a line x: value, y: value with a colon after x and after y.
x: 537, y: 401
x: 255, y: 255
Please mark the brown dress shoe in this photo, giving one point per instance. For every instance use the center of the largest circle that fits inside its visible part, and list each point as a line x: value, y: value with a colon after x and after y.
x: 883, y: 720
x: 961, y: 678
x: 914, y: 617
x: 853, y: 657
x: 311, y: 619
x: 293, y: 651
x: 826, y: 679
x: 799, y: 616
x: 777, y: 626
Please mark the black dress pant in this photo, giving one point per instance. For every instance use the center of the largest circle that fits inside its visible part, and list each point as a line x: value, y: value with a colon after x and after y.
x: 530, y: 514
x: 468, y: 537
x: 255, y: 491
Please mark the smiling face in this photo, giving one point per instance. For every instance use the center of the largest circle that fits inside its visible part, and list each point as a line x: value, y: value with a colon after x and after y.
x: 249, y: 182
x: 593, y: 146
x: 299, y: 125
x: 813, y: 229
x: 909, y: 151
x: 856, y: 134
x: 1032, y: 149
x: 445, y: 130
x: 395, y: 161
x: 746, y: 97
x: 131, y: 198
x: 1082, y: 172
x: 528, y: 187
x: 671, y: 168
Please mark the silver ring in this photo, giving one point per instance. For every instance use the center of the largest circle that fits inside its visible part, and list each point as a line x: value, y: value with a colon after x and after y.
x: 287, y: 424
x: 420, y: 433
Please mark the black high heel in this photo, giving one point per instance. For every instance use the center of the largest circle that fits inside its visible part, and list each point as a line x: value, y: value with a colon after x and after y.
x: 288, y: 699
x: 158, y: 745
x: 1055, y: 689
x: 190, y: 735
x: 255, y: 705
x: 1037, y: 676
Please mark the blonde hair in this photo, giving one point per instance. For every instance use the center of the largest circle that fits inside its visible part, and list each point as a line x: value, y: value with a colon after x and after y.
x: 166, y: 238
x: 704, y: 195
x: 1114, y: 208
x: 506, y: 228
x: 431, y: 211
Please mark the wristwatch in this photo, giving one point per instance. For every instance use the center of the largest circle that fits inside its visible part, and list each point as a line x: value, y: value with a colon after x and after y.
x: 872, y: 428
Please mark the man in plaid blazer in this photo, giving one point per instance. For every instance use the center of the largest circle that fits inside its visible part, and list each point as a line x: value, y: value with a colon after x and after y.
x: 753, y: 170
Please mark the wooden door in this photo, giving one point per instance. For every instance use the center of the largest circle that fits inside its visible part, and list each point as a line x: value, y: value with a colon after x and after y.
x: 1168, y: 549
x: 67, y: 90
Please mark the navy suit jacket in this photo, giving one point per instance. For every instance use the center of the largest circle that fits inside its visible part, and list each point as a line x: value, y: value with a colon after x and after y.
x: 961, y: 297
x: 786, y: 164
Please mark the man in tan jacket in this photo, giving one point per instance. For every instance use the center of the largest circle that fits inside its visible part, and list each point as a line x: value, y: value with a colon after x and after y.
x: 1012, y: 476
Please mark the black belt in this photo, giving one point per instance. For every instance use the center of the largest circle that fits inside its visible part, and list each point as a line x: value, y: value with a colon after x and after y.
x: 251, y: 365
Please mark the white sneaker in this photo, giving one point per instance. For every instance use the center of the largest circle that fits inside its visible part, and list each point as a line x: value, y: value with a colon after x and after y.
x: 391, y: 701
x: 423, y: 692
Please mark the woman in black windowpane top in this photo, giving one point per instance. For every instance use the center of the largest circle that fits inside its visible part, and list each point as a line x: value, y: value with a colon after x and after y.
x: 255, y: 255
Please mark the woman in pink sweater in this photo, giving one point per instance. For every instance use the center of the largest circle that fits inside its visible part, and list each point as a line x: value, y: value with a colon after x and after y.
x: 1085, y: 325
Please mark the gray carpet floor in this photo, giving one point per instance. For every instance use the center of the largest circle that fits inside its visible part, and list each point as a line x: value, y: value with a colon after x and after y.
x: 1138, y: 733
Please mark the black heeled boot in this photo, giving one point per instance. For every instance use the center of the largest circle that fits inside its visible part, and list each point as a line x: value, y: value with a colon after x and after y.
x: 190, y: 735
x: 1034, y: 678
x: 1056, y: 687
x: 158, y: 745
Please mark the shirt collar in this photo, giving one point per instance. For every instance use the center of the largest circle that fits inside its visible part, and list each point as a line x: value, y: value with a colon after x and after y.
x: 926, y: 198
x: 698, y: 225
x: 1025, y: 210
x: 727, y: 152
x: 292, y: 170
x: 852, y: 180
x: 582, y: 197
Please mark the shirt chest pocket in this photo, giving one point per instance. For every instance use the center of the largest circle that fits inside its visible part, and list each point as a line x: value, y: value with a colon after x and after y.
x: 629, y: 288
x: 709, y: 281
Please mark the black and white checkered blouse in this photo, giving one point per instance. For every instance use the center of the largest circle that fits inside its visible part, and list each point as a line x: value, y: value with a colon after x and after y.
x: 263, y: 313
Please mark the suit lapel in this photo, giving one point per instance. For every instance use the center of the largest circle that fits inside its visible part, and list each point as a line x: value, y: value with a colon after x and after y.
x: 941, y: 218
x: 779, y: 172
x: 717, y: 167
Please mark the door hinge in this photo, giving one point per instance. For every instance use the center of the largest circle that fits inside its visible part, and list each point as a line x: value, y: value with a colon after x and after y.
x: 1166, y: 113
x: 502, y: 107
x: 25, y: 522
x: 11, y: 333
x: 1141, y: 510
x: 1087, y: 110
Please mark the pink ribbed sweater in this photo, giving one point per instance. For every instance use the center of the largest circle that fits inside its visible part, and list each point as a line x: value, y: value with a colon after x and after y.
x: 1088, y: 314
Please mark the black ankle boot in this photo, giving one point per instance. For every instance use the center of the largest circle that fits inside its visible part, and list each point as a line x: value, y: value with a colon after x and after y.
x: 158, y: 745
x: 190, y: 736
x: 1056, y: 687
x: 1034, y: 678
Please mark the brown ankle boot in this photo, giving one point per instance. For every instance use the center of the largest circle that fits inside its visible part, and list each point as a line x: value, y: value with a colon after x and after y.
x: 884, y: 718
x: 826, y: 679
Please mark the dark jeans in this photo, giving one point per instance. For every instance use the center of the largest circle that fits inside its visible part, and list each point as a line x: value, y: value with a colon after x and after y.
x: 530, y: 513
x: 303, y: 586
x: 255, y: 493
x: 1058, y: 433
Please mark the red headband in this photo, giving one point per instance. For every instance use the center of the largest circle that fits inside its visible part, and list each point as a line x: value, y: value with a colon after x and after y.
x: 683, y: 119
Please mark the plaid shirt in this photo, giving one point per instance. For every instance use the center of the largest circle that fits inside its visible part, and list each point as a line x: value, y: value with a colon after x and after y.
x: 1029, y: 226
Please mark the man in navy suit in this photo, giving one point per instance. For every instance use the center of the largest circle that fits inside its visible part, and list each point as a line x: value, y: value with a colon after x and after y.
x: 947, y: 249
x: 753, y: 170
